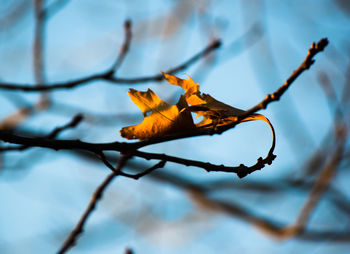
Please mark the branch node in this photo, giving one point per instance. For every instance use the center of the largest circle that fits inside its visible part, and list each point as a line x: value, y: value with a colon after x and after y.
x: 242, y: 171
x: 259, y: 160
x: 216, y: 44
x: 270, y: 159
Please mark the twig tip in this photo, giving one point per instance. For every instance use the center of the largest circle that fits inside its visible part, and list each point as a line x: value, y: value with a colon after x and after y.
x: 322, y: 43
x: 127, y: 24
x: 217, y: 43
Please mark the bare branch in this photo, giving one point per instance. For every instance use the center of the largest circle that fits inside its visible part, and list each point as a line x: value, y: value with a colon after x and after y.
x: 38, y: 46
x: 125, y: 47
x: 160, y: 164
x: 38, y: 50
x: 96, y: 148
x: 130, y: 148
x: 308, y: 61
x: 96, y: 196
x: 306, y: 64
x: 106, y: 75
x: 72, y: 124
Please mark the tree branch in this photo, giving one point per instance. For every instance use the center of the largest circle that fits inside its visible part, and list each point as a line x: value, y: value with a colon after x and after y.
x: 125, y: 47
x: 306, y: 64
x: 137, y: 176
x: 96, y: 196
x: 131, y: 148
x: 72, y: 124
x: 107, y: 76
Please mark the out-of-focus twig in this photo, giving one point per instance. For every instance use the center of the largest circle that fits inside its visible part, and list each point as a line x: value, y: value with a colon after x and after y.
x: 318, y: 189
x: 306, y: 64
x: 12, y: 16
x: 38, y: 51
x: 201, y: 195
x: 72, y: 238
x: 275, y: 96
x: 13, y: 120
x: 298, y: 228
x: 131, y: 148
x: 96, y: 196
x: 333, y: 102
x: 38, y: 45
x: 21, y: 114
x: 72, y: 124
x: 124, y: 48
x: 268, y: 225
x: 106, y: 75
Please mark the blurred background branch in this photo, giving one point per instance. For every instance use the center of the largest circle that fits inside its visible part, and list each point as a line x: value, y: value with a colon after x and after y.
x: 48, y: 48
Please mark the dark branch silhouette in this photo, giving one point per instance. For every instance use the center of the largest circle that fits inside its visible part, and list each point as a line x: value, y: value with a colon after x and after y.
x: 96, y: 196
x: 108, y: 76
x: 320, y: 163
x: 52, y: 135
x: 131, y: 148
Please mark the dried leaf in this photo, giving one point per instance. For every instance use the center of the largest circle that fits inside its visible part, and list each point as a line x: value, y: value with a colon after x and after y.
x: 212, y: 110
x: 164, y: 119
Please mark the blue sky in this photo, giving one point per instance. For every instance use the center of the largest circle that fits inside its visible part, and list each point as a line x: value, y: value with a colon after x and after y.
x: 43, y: 193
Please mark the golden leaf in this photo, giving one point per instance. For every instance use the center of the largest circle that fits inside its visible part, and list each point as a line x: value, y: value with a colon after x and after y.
x: 214, y: 112
x: 161, y: 118
x: 164, y: 119
x: 204, y: 105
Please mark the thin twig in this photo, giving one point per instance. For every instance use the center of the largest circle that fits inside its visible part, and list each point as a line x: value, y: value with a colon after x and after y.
x: 274, y: 228
x: 268, y: 225
x: 96, y: 196
x: 160, y: 164
x: 24, y: 112
x: 14, y: 119
x: 202, y: 195
x: 38, y: 50
x: 53, y: 134
x: 103, y: 158
x: 320, y: 186
x: 38, y: 45
x: 125, y: 47
x: 106, y: 75
x: 306, y: 64
x: 209, y: 167
x: 72, y: 124
x: 241, y: 170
